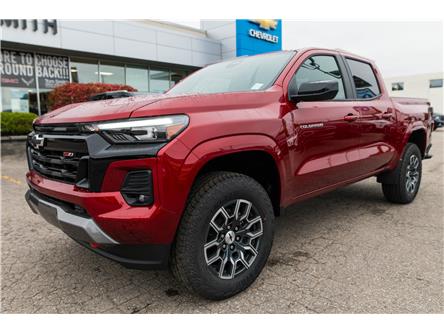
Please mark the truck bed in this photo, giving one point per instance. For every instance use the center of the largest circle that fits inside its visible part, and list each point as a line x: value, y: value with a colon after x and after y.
x: 410, y: 101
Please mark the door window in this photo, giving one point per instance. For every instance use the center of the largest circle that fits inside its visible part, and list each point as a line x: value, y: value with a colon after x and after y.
x: 366, y: 84
x: 320, y: 68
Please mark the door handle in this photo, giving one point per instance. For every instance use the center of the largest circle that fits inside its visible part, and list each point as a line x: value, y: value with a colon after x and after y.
x: 351, y: 117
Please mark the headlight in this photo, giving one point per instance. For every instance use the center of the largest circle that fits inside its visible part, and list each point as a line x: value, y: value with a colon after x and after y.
x: 155, y: 129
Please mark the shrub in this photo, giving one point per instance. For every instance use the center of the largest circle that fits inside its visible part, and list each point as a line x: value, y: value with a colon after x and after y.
x: 80, y: 92
x: 16, y: 123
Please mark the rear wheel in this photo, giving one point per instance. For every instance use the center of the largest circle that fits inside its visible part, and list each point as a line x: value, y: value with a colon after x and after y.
x: 225, y: 235
x: 406, y: 178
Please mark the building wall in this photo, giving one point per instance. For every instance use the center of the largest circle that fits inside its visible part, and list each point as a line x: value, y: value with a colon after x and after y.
x: 147, y: 40
x: 418, y: 86
x: 224, y: 31
x: 149, y: 55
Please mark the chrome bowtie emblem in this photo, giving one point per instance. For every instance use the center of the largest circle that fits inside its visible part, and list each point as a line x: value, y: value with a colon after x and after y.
x: 37, y: 141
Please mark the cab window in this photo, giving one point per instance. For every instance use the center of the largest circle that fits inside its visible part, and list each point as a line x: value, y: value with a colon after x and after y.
x: 320, y: 68
x: 366, y: 84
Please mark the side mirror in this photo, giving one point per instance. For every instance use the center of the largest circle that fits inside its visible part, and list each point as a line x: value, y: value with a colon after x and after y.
x: 313, y: 91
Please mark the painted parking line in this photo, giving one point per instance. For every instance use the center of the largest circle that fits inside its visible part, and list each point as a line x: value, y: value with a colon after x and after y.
x: 11, y: 180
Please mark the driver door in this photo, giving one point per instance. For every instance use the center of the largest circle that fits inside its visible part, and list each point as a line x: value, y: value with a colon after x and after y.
x: 325, y: 149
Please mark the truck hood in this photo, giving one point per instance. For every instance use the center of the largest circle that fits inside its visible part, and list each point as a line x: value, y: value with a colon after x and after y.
x: 157, y: 105
x: 110, y: 109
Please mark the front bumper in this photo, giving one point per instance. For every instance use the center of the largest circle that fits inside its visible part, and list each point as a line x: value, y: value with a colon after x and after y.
x: 108, y: 224
x: 110, y: 212
x: 82, y: 228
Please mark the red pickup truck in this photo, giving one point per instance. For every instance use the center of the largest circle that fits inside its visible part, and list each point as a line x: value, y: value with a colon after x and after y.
x: 194, y: 178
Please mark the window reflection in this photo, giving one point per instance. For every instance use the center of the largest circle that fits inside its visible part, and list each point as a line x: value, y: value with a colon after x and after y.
x: 137, y: 78
x: 159, y: 80
x: 320, y: 68
x: 112, y: 74
x: 364, y: 78
x: 83, y: 72
x: 176, y: 76
x: 19, y: 100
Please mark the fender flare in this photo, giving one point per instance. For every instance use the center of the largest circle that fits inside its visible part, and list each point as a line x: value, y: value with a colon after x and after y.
x: 416, y: 126
x: 390, y: 176
x: 206, y: 151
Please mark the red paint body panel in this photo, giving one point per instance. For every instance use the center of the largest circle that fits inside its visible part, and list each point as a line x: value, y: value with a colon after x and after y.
x: 310, y: 160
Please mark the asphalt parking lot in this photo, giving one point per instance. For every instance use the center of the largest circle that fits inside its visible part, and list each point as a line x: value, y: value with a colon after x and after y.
x: 348, y: 251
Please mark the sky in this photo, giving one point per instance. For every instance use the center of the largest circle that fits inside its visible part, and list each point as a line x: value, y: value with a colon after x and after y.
x: 398, y: 48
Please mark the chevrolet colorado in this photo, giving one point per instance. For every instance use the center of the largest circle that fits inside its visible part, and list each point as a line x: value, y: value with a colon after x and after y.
x: 194, y: 178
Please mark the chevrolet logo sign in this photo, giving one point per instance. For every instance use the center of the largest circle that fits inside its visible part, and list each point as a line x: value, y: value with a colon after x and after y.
x: 266, y: 24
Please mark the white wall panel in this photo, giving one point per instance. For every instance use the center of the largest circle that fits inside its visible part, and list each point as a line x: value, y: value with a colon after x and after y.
x: 135, y: 49
x: 148, y: 40
x: 174, y: 55
x: 134, y: 31
x: 86, y: 41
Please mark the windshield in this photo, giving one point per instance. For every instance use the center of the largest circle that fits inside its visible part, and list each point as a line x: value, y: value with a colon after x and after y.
x: 240, y: 74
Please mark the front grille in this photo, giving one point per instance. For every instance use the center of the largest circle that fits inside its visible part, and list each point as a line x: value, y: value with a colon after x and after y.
x: 57, y: 129
x: 59, y: 158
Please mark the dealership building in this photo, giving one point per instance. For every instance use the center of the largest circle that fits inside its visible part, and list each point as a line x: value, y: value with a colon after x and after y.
x: 428, y: 86
x: 151, y: 56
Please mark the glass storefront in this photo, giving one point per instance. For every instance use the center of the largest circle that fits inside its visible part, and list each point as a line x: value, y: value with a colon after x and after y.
x: 176, y: 76
x: 84, y: 72
x: 137, y: 78
x: 24, y: 75
x: 19, y: 100
x: 112, y: 73
x: 159, y: 80
x: 44, y: 100
x: 27, y: 78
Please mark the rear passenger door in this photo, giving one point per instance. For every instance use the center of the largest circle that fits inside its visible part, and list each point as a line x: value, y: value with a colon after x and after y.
x: 377, y: 116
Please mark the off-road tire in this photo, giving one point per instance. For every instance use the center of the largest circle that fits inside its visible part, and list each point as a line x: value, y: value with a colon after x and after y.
x: 396, y: 190
x: 188, y: 261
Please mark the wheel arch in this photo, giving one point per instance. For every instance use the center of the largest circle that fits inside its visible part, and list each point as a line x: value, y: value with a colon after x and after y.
x: 418, y: 136
x: 257, y: 156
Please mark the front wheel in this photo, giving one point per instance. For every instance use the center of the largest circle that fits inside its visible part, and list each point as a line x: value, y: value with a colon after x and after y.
x: 225, y: 235
x: 406, y: 178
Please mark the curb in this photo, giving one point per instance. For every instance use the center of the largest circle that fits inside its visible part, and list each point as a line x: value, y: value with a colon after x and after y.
x: 13, y: 138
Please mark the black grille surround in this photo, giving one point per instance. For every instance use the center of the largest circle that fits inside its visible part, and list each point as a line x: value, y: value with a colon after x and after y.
x: 73, y: 129
x: 58, y: 158
x: 63, y: 153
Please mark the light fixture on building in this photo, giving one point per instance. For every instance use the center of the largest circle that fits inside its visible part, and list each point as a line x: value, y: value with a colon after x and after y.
x: 105, y: 73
